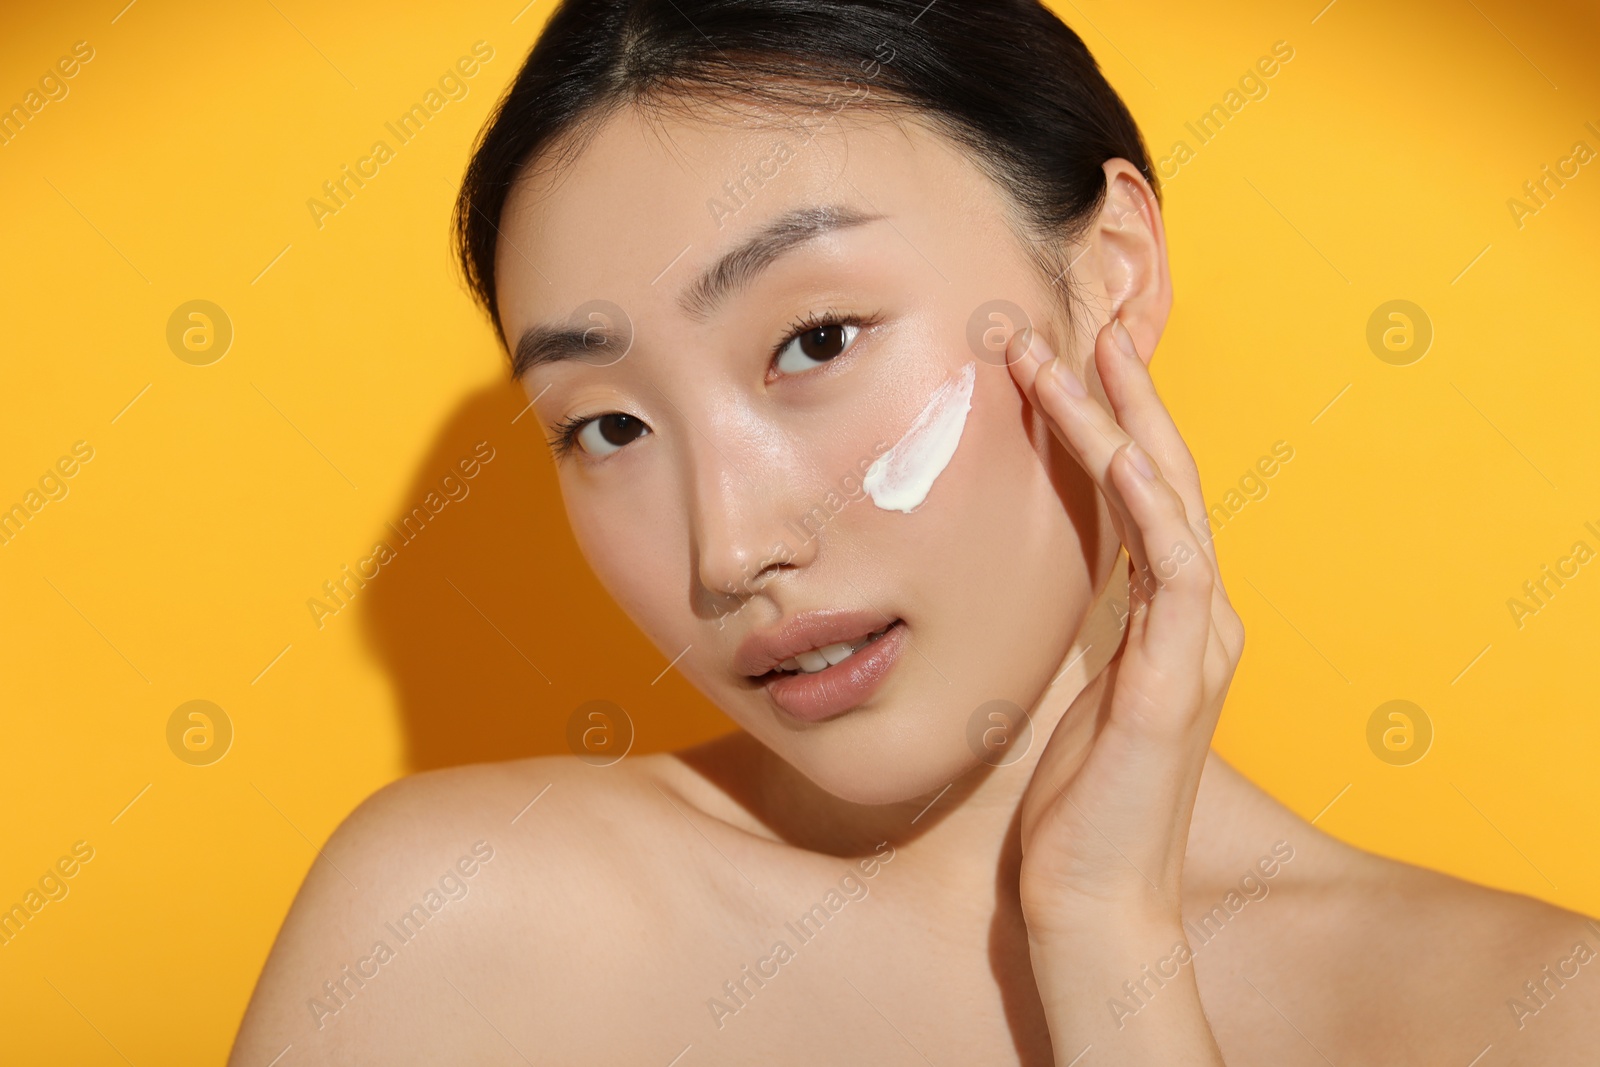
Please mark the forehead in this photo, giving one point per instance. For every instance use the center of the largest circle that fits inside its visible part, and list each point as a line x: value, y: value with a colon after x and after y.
x: 649, y: 199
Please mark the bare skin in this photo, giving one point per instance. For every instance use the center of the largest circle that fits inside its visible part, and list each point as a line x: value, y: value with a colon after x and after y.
x: 612, y: 911
x: 1028, y: 913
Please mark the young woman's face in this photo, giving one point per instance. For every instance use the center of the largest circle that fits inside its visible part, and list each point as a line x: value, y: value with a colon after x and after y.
x: 726, y: 412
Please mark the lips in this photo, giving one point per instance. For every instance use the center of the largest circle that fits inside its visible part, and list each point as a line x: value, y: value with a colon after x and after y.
x: 829, y: 655
x: 806, y: 632
x: 823, y: 663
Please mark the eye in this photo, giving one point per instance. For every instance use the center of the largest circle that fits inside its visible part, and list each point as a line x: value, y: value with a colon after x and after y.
x: 599, y: 436
x: 815, y: 344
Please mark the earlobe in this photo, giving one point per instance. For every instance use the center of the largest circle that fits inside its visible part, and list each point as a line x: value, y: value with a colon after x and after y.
x: 1133, y: 255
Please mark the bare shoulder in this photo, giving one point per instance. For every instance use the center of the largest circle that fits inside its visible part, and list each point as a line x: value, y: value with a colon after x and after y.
x: 448, y: 890
x: 1500, y: 971
x: 1382, y: 960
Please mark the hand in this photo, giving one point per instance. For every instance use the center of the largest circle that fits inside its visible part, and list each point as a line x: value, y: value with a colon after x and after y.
x: 1104, y: 828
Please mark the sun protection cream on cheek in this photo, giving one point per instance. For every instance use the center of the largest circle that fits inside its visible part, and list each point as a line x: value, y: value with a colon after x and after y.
x: 902, y: 476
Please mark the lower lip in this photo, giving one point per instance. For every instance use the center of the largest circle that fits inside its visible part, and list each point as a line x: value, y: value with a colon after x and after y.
x: 841, y: 687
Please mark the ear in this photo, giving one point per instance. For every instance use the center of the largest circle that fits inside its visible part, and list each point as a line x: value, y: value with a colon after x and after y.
x: 1130, y: 251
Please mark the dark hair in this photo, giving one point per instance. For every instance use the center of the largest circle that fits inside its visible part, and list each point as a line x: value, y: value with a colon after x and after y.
x: 1005, y: 78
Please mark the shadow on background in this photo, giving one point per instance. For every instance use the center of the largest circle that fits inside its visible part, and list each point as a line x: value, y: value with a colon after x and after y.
x: 491, y: 623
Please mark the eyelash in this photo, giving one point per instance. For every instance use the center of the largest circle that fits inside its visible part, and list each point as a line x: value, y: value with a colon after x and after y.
x: 818, y: 319
x: 565, y: 439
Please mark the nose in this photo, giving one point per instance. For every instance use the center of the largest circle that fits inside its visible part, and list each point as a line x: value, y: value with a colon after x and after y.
x: 743, y: 529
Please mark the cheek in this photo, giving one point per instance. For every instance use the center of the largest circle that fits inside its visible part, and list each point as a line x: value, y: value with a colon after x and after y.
x: 1000, y: 559
x: 845, y: 441
x: 993, y: 521
x: 638, y: 560
x: 996, y: 507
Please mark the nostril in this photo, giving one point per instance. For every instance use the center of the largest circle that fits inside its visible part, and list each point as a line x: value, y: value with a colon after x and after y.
x: 781, y: 559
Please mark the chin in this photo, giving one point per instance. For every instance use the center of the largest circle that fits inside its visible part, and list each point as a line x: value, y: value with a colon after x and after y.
x: 909, y: 742
x: 890, y: 771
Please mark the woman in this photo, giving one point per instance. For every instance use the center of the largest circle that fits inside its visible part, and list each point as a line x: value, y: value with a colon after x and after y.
x: 838, y: 315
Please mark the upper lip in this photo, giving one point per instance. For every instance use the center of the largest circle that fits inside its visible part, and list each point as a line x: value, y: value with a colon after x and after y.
x: 765, y: 649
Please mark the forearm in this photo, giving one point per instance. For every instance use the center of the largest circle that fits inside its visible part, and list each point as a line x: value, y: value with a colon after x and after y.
x: 1122, y: 992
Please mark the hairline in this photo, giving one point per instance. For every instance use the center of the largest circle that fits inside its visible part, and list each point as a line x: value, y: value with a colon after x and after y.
x: 1048, y: 253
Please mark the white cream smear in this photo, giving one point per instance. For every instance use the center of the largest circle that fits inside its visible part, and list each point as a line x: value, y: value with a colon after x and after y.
x: 902, y: 476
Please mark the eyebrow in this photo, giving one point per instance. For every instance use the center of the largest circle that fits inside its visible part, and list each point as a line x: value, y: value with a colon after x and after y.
x: 547, y: 343
x: 735, y: 270
x: 739, y: 268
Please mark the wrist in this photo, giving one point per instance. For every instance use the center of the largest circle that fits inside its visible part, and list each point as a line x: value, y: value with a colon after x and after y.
x: 1112, y: 946
x: 1080, y: 923
x: 1126, y: 987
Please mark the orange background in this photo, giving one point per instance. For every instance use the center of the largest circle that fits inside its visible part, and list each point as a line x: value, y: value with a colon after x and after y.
x: 219, y: 498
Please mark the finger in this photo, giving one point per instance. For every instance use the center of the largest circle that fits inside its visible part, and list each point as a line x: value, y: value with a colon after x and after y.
x: 1021, y: 362
x: 1094, y: 436
x: 1085, y: 425
x: 1087, y: 430
x: 1181, y: 571
x: 1025, y: 359
x: 1140, y: 411
x: 1178, y: 623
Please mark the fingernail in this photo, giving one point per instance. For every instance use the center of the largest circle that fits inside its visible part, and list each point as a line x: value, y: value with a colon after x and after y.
x: 1038, y: 349
x: 1020, y: 347
x: 1140, y: 460
x: 1064, y: 377
x: 1124, y: 339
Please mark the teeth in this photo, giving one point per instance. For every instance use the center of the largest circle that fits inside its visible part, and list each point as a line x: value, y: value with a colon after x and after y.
x: 822, y: 658
x: 836, y: 653
x: 811, y: 662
